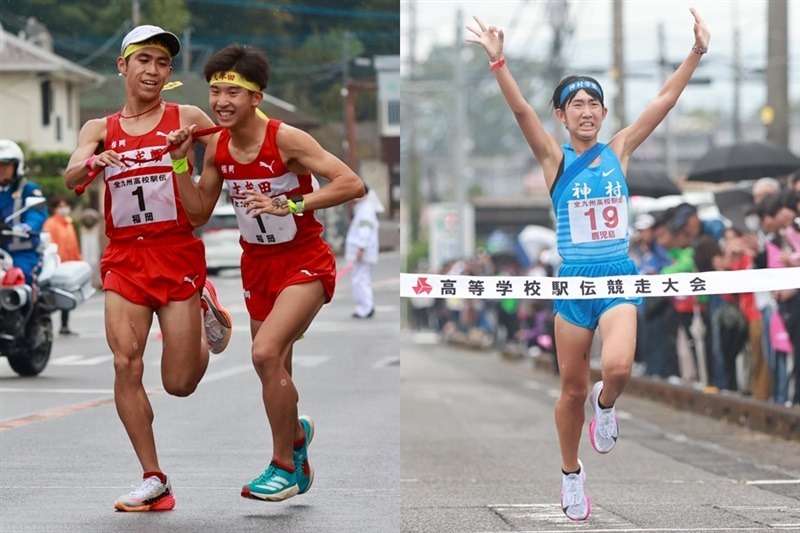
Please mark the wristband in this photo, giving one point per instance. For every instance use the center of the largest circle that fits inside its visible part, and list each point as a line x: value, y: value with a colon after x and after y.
x: 180, y: 165
x: 698, y: 50
x: 88, y: 162
x: 494, y: 65
x: 296, y: 208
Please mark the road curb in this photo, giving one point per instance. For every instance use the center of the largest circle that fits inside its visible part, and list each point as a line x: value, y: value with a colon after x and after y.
x: 755, y: 414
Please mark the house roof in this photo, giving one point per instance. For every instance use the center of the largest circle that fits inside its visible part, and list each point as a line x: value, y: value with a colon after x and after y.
x: 18, y: 55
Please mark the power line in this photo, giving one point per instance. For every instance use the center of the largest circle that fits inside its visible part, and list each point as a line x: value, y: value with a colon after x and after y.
x: 305, y: 10
x: 124, y: 27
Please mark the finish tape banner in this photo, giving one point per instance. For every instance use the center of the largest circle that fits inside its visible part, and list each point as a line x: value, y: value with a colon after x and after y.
x: 572, y: 288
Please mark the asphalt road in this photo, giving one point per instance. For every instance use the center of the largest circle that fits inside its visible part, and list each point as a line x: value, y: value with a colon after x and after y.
x: 65, y: 456
x: 479, y: 453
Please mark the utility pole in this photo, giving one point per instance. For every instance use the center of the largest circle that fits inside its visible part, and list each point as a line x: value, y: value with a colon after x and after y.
x: 778, y: 71
x: 669, y: 139
x: 135, y: 12
x: 737, y: 77
x: 459, y: 138
x: 460, y: 158
x: 186, y: 49
x: 562, y: 30
x: 413, y: 198
x: 618, y: 73
x: 349, y: 104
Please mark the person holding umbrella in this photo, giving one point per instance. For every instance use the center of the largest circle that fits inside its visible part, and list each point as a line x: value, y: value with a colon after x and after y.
x: 590, y: 198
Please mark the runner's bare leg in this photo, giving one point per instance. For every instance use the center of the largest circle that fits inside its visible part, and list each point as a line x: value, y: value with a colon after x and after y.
x: 184, y: 358
x: 127, y: 328
x: 618, y: 333
x: 573, y: 344
x: 295, y: 308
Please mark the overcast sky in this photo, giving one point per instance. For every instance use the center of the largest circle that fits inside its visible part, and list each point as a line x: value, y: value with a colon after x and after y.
x: 528, y: 32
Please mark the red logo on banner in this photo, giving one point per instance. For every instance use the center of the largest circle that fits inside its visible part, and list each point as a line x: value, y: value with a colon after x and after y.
x: 422, y: 286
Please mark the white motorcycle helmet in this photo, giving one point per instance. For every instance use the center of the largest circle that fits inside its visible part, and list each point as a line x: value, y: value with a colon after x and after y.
x: 10, y: 152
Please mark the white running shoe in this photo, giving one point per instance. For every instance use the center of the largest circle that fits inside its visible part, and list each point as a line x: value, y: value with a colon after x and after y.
x: 604, y: 428
x: 151, y: 495
x: 217, y: 320
x: 574, y: 501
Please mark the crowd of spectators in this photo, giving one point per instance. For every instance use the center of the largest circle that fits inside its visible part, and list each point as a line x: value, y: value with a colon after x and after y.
x: 747, y: 342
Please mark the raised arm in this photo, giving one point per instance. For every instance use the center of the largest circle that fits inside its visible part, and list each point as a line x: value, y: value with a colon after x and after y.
x: 92, y: 135
x: 627, y: 140
x: 544, y: 146
x: 198, y: 200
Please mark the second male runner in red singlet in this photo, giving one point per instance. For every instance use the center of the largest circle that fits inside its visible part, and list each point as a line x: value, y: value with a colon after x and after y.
x: 153, y: 263
x: 288, y: 271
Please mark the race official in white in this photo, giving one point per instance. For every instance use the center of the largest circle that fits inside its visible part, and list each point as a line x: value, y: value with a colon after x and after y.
x: 361, y: 250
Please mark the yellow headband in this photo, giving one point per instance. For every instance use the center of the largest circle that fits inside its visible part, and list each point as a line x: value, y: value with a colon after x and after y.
x: 234, y: 78
x: 147, y: 44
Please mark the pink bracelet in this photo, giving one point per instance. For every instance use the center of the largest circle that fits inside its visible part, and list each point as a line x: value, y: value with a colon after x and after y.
x: 698, y: 50
x: 88, y: 163
x: 494, y: 65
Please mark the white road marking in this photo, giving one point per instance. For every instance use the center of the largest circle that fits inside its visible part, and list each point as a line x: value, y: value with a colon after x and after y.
x: 308, y: 361
x: 654, y: 529
x: 550, y: 514
x: 91, y: 360
x: 65, y: 360
x: 773, y: 481
x: 72, y: 360
x: 222, y: 374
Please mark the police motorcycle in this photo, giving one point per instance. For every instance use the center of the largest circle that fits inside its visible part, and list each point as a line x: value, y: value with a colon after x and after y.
x: 26, y: 328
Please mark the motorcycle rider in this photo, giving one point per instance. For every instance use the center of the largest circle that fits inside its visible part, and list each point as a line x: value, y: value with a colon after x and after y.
x: 14, y: 190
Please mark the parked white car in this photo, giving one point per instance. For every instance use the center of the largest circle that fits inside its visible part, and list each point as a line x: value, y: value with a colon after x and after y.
x: 221, y: 238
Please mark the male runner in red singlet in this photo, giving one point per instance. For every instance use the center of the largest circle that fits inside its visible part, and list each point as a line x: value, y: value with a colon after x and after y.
x: 153, y: 263
x: 288, y: 271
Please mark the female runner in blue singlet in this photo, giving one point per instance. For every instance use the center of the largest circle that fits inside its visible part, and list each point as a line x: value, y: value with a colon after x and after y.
x: 591, y: 208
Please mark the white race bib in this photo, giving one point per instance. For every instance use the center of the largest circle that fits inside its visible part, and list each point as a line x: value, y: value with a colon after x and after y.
x: 265, y: 228
x: 142, y: 200
x: 598, y: 219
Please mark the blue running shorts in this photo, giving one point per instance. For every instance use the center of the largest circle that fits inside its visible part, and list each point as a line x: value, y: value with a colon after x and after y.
x: 586, y: 313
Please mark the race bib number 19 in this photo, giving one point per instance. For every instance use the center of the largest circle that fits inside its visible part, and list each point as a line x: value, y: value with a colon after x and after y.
x: 598, y: 219
x: 142, y: 200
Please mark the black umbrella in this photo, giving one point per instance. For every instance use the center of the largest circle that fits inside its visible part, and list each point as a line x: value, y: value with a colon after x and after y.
x: 646, y: 180
x: 735, y: 204
x: 744, y: 161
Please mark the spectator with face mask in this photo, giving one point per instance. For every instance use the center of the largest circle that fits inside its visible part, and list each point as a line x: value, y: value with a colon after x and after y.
x: 62, y: 233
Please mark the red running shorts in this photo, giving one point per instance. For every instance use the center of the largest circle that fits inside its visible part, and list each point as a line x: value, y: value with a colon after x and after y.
x: 155, y: 272
x: 264, y: 276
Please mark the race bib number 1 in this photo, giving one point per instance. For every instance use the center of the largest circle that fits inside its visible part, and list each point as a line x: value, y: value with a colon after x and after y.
x: 142, y: 200
x: 265, y: 228
x: 598, y: 219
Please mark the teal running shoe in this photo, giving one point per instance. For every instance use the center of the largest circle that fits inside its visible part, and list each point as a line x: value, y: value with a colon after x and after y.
x: 274, y: 485
x: 302, y: 467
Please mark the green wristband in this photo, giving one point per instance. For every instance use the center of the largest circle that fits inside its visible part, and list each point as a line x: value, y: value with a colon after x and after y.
x: 295, y: 208
x: 180, y: 165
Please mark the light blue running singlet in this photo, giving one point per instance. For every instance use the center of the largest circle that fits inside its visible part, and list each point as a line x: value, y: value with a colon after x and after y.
x: 592, y: 211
